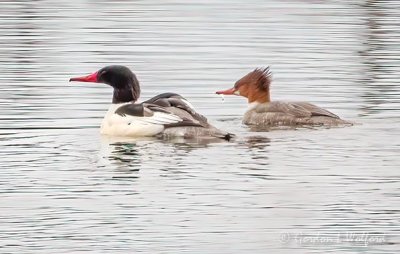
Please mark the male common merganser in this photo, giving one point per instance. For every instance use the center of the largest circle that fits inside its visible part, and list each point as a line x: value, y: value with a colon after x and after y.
x: 167, y: 114
x: 263, y: 112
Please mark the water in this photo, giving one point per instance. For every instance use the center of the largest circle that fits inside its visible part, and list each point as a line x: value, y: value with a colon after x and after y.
x: 66, y: 189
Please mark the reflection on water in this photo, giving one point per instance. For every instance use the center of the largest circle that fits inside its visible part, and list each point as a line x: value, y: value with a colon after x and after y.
x: 380, y: 61
x: 126, y: 155
x: 256, y: 142
x: 66, y: 189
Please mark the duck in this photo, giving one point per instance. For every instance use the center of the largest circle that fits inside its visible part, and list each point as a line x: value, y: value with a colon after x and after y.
x: 165, y: 115
x: 262, y: 112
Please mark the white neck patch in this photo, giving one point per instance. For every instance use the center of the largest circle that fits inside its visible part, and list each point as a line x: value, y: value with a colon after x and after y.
x: 252, y: 105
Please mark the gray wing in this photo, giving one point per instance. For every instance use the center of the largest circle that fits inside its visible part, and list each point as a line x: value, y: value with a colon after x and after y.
x: 314, y: 110
x: 296, y: 109
x: 173, y: 100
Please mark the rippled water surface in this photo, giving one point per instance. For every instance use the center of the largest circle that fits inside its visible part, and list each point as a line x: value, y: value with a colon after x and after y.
x: 66, y: 189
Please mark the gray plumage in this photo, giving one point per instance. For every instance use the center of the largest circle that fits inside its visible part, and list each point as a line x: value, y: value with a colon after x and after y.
x: 278, y: 113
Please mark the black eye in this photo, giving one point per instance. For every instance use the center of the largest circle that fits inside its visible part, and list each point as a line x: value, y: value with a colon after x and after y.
x: 101, y: 76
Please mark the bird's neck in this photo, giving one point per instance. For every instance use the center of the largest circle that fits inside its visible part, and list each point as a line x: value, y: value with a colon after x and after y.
x: 125, y: 94
x: 258, y: 97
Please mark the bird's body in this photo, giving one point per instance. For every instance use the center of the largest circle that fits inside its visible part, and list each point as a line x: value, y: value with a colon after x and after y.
x: 281, y: 113
x: 167, y: 114
x: 263, y: 112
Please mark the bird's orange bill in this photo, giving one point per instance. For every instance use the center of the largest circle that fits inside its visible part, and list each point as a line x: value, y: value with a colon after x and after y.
x: 89, y: 78
x: 228, y: 91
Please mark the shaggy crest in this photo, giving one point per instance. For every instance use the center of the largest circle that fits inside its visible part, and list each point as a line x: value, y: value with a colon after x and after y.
x: 262, y: 77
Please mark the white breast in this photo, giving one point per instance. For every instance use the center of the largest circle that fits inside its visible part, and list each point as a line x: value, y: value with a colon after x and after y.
x: 134, y: 126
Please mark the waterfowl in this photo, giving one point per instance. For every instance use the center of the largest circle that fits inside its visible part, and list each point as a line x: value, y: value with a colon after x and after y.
x: 167, y: 114
x: 263, y: 112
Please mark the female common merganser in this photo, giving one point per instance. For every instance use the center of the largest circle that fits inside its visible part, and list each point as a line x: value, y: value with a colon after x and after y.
x: 263, y: 112
x: 167, y: 114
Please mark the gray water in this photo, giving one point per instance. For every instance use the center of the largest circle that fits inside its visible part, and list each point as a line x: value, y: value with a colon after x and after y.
x: 66, y: 189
